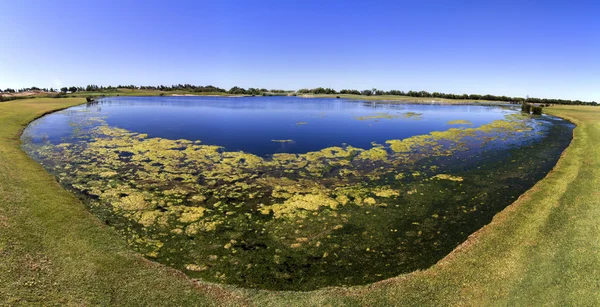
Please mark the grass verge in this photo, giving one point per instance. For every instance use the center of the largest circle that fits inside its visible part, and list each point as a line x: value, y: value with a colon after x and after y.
x: 543, y: 249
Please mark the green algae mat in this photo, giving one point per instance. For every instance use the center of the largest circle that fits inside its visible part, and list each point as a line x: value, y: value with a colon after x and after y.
x: 55, y: 252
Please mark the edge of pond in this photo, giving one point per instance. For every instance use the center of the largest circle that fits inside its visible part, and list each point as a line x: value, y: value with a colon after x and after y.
x: 472, y: 239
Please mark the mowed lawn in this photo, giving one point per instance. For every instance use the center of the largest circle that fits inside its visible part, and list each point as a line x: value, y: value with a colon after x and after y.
x: 542, y: 250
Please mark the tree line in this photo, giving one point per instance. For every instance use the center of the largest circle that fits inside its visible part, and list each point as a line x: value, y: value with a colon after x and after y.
x: 236, y: 90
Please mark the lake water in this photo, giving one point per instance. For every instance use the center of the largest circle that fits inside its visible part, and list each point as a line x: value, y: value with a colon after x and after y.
x: 290, y: 193
x: 250, y: 124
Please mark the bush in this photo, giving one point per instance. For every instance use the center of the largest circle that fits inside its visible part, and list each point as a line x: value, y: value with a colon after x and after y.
x: 525, y: 107
x: 536, y: 110
x: 58, y: 95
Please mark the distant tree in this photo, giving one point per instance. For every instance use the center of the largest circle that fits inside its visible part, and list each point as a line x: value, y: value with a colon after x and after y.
x: 319, y: 90
x: 73, y: 89
x: 64, y: 89
x: 352, y: 92
x: 237, y: 90
x: 277, y: 91
x: 396, y: 92
x: 92, y: 88
x: 254, y: 91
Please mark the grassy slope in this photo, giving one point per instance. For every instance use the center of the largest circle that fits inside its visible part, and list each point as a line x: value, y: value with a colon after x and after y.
x: 543, y: 249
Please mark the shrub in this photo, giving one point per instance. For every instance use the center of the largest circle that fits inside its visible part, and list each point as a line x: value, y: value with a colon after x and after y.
x: 525, y: 107
x: 536, y: 110
x: 58, y: 95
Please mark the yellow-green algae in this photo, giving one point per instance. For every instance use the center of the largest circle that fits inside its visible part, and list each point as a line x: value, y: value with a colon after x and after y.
x: 378, y: 116
x: 447, y: 177
x: 460, y: 122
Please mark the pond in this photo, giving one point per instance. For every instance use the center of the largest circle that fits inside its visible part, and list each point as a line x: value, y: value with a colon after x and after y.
x: 288, y: 193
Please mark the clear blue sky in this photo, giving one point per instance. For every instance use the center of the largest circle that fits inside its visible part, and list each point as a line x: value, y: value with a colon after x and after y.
x: 536, y: 48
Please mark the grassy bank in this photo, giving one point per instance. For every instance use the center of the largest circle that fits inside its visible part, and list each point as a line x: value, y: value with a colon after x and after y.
x: 543, y: 249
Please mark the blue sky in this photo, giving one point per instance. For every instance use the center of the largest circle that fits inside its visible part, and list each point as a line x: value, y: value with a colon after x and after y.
x: 518, y: 48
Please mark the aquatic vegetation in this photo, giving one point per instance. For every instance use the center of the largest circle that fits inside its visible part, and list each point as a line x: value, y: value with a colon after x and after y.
x: 386, y: 193
x: 301, y: 206
x: 460, y: 122
x: 337, y: 216
x: 377, y: 116
x: 412, y: 115
x: 374, y: 154
x: 447, y: 177
x: 458, y: 137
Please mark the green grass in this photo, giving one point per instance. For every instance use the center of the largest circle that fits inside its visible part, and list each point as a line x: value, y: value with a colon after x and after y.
x: 542, y: 250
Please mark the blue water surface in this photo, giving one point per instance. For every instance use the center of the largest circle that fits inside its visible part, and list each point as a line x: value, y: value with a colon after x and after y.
x: 250, y: 124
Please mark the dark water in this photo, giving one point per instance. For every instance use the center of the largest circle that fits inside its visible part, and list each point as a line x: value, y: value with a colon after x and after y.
x: 250, y: 124
x: 341, y: 210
